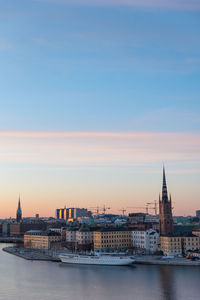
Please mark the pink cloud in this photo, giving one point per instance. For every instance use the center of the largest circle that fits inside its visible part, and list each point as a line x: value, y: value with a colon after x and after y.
x: 98, y: 148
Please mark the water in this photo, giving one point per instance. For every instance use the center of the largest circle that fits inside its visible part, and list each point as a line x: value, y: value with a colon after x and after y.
x: 21, y: 280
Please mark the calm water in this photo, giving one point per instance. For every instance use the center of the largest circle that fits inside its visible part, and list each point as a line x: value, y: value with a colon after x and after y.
x: 21, y: 279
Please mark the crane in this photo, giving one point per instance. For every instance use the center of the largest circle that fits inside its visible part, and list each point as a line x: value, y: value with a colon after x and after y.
x: 154, y: 207
x: 143, y: 207
x: 123, y: 211
x: 97, y: 209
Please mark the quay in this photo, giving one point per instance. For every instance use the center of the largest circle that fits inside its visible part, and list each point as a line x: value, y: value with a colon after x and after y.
x: 31, y: 254
x: 159, y: 260
x: 11, y: 240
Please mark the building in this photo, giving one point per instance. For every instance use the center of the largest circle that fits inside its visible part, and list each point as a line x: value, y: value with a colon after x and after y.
x: 198, y: 214
x: 70, y: 214
x: 165, y: 211
x: 171, y: 245
x: 81, y: 238
x: 84, y: 237
x: 112, y: 239
x: 136, y: 218
x: 18, y: 229
x: 179, y: 245
x: 37, y: 239
x: 5, y: 229
x: 71, y: 235
x: 146, y: 240
x: 196, y: 232
x: 190, y: 243
x: 19, y: 212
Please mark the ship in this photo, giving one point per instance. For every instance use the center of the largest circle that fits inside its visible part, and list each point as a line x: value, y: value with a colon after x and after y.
x: 103, y: 260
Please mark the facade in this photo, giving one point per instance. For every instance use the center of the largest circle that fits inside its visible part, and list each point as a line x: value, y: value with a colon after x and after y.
x: 84, y: 236
x: 197, y: 233
x: 190, y: 243
x: 198, y: 214
x: 135, y: 218
x: 18, y: 229
x: 111, y: 239
x: 178, y: 245
x: 69, y: 214
x: 5, y: 229
x: 165, y: 211
x: 171, y: 245
x: 147, y: 240
x: 15, y: 229
x: 19, y: 212
x: 37, y: 239
x: 80, y: 238
x: 71, y: 235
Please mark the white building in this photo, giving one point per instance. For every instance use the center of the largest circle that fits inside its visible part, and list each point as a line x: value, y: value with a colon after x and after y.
x: 83, y: 236
x: 147, y: 240
x: 71, y: 235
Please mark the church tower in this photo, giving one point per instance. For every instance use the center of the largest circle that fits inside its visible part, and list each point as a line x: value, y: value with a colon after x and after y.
x: 165, y: 210
x: 19, y: 212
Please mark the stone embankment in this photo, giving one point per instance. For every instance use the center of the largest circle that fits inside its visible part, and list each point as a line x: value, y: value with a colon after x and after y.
x: 31, y: 254
x: 159, y: 260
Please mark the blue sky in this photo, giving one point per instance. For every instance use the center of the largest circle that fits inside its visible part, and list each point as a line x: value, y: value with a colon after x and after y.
x: 82, y: 67
x: 101, y: 67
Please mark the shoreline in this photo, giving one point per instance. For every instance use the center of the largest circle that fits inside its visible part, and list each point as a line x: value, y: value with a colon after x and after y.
x: 30, y: 254
x: 34, y: 254
x: 157, y: 260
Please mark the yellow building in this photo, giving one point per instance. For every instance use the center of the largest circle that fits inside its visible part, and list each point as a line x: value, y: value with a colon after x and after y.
x: 171, y: 245
x: 175, y: 245
x: 37, y: 239
x: 110, y: 239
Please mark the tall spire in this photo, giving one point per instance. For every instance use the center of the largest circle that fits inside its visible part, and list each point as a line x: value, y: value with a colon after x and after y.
x: 19, y: 211
x: 19, y: 206
x: 165, y: 210
x: 164, y: 187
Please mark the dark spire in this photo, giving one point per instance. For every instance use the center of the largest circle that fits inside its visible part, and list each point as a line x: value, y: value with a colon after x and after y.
x: 164, y: 188
x: 19, y: 211
x: 19, y: 207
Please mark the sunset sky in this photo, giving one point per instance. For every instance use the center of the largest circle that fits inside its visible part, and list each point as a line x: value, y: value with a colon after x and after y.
x: 95, y: 96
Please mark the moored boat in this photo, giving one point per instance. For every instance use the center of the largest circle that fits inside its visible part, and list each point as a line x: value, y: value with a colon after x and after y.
x: 106, y: 260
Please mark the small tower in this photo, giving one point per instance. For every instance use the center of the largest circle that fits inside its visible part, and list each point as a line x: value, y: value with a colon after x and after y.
x: 19, y: 212
x: 165, y: 210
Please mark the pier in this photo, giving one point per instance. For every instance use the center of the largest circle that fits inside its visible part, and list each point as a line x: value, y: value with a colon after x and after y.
x: 31, y: 254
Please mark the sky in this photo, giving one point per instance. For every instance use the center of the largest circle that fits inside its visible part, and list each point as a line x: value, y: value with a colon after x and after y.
x: 95, y: 96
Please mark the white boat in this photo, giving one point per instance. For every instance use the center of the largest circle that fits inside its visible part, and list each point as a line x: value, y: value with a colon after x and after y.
x: 107, y: 260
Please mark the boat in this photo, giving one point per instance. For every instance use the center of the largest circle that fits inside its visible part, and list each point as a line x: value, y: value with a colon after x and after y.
x: 105, y: 260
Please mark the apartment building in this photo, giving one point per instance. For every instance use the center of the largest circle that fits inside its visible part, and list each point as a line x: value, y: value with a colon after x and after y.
x: 148, y: 240
x: 112, y: 239
x: 37, y: 239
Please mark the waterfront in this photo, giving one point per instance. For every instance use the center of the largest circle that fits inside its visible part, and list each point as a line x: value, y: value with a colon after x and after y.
x: 23, y: 279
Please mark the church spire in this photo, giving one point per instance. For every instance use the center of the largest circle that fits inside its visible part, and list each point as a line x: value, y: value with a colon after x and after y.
x: 165, y: 210
x: 19, y: 205
x: 164, y: 187
x: 19, y: 211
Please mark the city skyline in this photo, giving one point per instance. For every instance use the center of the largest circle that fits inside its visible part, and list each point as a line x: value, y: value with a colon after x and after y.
x: 95, y: 97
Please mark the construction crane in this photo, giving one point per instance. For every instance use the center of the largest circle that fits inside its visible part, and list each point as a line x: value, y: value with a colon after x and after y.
x: 154, y: 207
x: 123, y: 211
x: 97, y: 209
x: 105, y: 208
x: 142, y: 207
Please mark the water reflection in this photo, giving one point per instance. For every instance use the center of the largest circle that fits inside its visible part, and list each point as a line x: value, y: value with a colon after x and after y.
x: 167, y: 283
x: 21, y: 279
